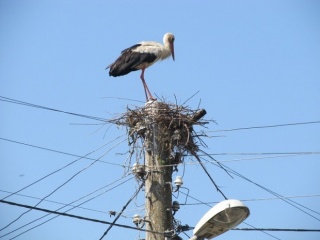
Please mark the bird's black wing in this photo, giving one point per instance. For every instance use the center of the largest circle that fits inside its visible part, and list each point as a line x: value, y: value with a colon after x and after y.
x: 129, y: 60
x: 131, y: 48
x: 126, y: 50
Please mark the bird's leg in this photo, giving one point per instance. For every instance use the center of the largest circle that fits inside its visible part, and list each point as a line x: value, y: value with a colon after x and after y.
x: 144, y: 83
x: 146, y: 89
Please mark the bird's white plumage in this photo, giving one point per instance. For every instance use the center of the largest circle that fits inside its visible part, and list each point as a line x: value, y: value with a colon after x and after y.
x: 161, y: 51
x: 142, y: 56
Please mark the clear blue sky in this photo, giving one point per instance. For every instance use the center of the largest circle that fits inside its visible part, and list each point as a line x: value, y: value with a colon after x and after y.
x: 254, y: 63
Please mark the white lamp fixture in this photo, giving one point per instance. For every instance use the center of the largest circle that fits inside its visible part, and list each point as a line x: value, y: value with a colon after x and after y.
x: 220, y: 218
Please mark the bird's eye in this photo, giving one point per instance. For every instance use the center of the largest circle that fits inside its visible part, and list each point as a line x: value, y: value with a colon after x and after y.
x: 172, y: 39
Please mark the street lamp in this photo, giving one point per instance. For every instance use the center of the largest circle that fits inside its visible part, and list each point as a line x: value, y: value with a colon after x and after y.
x: 220, y: 218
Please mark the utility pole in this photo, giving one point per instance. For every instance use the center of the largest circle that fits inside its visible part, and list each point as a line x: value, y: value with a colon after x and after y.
x: 158, y: 188
x: 166, y: 131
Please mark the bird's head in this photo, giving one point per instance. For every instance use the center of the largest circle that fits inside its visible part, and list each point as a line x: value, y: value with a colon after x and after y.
x: 168, y: 40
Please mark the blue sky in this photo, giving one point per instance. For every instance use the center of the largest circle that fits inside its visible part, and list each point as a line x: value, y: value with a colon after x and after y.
x: 253, y: 63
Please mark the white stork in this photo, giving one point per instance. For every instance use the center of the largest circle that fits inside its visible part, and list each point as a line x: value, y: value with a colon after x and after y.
x: 141, y: 56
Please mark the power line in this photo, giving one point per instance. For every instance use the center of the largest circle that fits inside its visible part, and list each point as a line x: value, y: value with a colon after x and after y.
x: 264, y: 156
x: 278, y: 154
x: 239, y: 159
x: 76, y: 206
x: 266, y: 126
x: 55, y: 202
x: 119, y: 214
x: 266, y: 233
x: 200, y: 202
x: 57, y: 169
x: 73, y: 207
x: 277, y: 229
x: 208, y: 174
x: 267, y: 157
x: 252, y: 200
x: 57, y: 151
x: 14, y: 101
x: 76, y: 216
x: 213, y: 131
x: 60, y: 186
x: 289, y: 201
x: 261, y: 153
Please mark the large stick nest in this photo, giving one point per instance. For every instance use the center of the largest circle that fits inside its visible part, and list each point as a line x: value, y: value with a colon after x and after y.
x: 175, y: 125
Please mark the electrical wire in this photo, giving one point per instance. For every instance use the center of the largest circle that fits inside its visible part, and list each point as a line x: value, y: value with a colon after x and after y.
x: 277, y: 229
x: 253, y: 200
x: 119, y: 214
x: 199, y: 202
x: 265, y: 157
x: 58, y: 170
x: 277, y: 154
x: 261, y: 153
x: 60, y: 186
x: 70, y: 204
x: 14, y: 101
x: 236, y: 129
x: 266, y: 126
x: 120, y: 98
x: 189, y: 196
x: 282, y: 155
x: 78, y: 217
x: 145, y: 230
x: 288, y: 201
x: 60, y: 152
x: 208, y: 174
x: 262, y: 231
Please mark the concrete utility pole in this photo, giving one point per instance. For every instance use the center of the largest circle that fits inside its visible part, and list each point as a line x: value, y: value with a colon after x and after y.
x: 158, y: 191
x: 167, y: 133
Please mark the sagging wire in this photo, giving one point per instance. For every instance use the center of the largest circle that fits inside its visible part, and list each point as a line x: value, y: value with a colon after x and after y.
x: 119, y: 214
x: 70, y: 204
x: 63, y: 184
x: 61, y: 152
x: 208, y: 174
x: 288, y: 201
x: 10, y: 100
x: 77, y: 217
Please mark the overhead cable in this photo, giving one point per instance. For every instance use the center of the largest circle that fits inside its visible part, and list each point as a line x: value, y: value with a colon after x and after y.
x: 70, y: 204
x: 60, y: 186
x: 119, y: 214
x: 14, y: 101
x: 60, y: 152
x: 266, y: 126
x: 76, y: 216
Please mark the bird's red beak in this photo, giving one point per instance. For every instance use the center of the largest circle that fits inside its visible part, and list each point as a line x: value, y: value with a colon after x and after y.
x: 172, y: 50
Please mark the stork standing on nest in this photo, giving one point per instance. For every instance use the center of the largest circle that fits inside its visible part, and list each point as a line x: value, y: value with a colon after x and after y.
x: 142, y: 56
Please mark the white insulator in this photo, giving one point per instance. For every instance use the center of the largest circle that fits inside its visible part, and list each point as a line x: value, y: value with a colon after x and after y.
x: 178, y: 182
